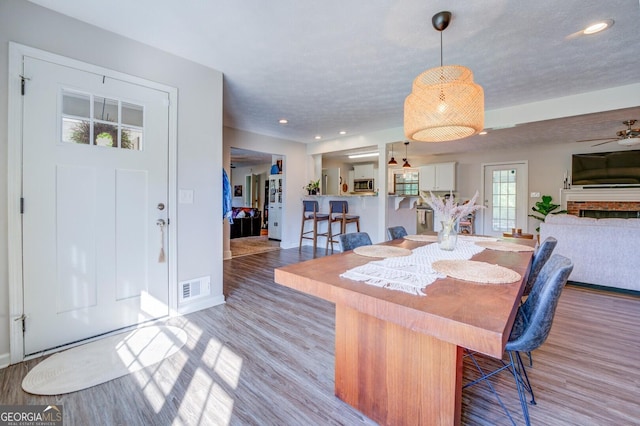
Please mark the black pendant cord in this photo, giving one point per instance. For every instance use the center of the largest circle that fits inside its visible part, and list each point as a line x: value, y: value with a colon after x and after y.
x: 440, y: 22
x: 440, y: 49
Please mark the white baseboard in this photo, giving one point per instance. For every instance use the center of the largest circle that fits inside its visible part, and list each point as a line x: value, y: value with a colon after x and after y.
x: 205, y: 303
x: 5, y: 360
x: 289, y: 244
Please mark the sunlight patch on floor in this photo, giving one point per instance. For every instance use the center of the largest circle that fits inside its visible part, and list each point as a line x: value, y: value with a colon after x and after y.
x: 207, y: 398
x: 228, y: 367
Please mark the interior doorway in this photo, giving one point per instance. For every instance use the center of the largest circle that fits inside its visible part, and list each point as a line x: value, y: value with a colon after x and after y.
x: 251, y: 205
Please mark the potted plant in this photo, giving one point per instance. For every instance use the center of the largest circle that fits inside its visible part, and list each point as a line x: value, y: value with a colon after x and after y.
x: 544, y: 208
x: 313, y: 187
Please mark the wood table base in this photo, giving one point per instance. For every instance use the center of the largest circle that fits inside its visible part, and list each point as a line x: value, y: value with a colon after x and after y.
x: 396, y: 376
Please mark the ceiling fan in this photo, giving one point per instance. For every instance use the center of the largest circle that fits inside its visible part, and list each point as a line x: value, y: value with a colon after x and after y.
x: 626, y: 137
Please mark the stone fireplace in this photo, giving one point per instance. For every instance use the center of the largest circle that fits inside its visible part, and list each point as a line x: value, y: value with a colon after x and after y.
x: 602, y: 202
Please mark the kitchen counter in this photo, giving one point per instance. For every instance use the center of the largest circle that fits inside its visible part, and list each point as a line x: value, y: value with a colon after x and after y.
x: 365, y: 206
x: 414, y: 200
x: 402, y: 211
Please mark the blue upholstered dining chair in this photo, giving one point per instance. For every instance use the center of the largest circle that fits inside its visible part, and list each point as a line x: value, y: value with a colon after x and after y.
x: 353, y: 240
x: 540, y: 257
x: 531, y: 329
x: 395, y: 232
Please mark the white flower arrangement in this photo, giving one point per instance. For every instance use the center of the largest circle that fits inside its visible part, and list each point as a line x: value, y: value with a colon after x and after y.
x: 449, y: 210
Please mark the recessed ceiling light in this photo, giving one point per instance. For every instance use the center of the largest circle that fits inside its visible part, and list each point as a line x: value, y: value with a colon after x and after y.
x: 283, y: 121
x: 598, y: 26
x: 484, y: 132
x: 342, y: 132
x: 318, y: 137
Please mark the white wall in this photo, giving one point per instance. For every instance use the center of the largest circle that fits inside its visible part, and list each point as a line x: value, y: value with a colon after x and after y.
x: 199, y: 130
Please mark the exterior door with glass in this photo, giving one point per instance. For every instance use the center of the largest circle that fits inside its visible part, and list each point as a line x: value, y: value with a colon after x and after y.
x: 505, y: 196
x: 95, y: 187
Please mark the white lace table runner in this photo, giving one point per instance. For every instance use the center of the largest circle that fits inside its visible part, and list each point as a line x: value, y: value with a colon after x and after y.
x: 476, y: 238
x: 410, y: 273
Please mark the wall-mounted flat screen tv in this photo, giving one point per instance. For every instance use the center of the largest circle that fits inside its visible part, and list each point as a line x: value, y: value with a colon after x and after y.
x: 606, y: 168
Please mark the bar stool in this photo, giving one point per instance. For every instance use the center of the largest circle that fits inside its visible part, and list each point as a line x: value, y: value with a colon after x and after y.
x: 310, y: 213
x: 465, y: 225
x: 338, y: 213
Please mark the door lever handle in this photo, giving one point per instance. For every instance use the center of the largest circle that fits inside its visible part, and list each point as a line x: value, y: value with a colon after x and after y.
x: 161, y: 222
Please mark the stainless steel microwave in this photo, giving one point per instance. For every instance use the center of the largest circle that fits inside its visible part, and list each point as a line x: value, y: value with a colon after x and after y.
x: 363, y: 185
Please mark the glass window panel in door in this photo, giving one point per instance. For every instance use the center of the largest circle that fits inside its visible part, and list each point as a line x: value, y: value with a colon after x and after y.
x: 105, y: 109
x: 76, y: 104
x: 504, y: 199
x: 76, y: 110
x: 105, y: 134
x: 131, y: 138
x: 75, y: 130
x: 132, y: 114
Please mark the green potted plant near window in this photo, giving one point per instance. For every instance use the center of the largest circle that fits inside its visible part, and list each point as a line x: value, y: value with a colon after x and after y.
x: 313, y: 187
x: 544, y: 208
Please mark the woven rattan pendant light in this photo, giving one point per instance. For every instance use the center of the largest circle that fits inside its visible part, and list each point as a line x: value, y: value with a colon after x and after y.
x: 445, y: 104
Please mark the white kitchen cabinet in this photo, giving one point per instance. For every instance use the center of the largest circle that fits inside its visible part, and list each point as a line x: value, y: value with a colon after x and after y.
x: 363, y: 171
x: 438, y: 177
x: 427, y: 177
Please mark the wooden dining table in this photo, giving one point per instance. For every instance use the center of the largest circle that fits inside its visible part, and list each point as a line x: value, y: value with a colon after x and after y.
x: 398, y: 356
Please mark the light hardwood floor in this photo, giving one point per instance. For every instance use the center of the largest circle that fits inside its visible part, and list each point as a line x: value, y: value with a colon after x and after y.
x: 266, y: 358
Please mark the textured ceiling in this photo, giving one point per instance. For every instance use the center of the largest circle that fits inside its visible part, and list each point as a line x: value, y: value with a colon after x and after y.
x: 337, y: 65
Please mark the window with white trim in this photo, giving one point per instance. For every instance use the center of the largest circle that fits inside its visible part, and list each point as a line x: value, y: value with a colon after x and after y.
x: 95, y: 120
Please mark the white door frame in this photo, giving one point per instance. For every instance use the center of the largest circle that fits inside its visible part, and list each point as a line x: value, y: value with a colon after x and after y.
x: 14, y: 178
x: 483, y: 197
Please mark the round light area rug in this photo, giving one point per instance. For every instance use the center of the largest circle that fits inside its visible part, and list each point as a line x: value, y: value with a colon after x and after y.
x: 102, y: 360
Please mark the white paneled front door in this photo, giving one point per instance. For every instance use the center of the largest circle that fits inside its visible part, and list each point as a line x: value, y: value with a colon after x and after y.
x: 95, y: 185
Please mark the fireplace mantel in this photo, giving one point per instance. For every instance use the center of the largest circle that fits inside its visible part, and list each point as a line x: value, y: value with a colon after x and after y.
x: 599, y: 194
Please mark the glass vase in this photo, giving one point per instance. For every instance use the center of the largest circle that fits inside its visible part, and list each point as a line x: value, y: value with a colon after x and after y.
x: 448, y: 235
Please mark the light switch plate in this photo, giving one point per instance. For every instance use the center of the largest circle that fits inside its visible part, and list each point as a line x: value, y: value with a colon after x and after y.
x: 185, y: 196
x: 535, y: 195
